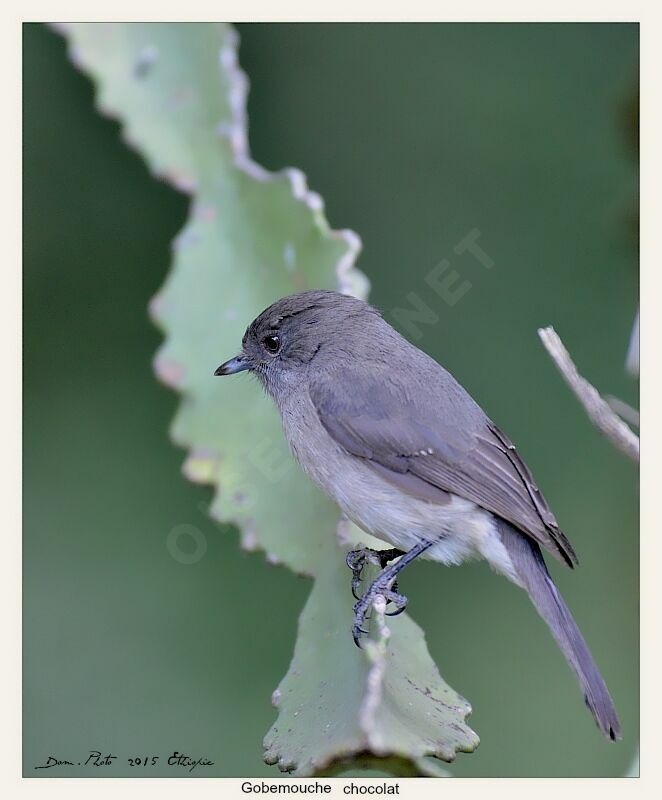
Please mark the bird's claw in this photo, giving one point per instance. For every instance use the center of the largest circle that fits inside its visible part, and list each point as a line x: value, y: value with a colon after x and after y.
x: 399, y: 600
x: 357, y: 632
x: 363, y: 606
x: 356, y: 582
x: 385, y: 586
x: 357, y: 559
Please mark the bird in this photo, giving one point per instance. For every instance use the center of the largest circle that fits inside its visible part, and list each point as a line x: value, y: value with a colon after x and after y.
x: 409, y: 456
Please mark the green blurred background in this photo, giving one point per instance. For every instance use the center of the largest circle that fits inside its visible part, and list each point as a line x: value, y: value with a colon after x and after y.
x: 414, y: 135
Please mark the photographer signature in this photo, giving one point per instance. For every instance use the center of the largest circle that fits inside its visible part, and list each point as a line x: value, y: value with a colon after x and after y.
x: 98, y: 759
x: 95, y: 759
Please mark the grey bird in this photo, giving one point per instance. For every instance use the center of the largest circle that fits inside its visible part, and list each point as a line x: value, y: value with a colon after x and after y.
x: 411, y: 458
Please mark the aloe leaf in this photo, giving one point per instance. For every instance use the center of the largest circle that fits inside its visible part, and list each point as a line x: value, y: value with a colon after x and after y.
x: 251, y: 237
x: 387, y: 700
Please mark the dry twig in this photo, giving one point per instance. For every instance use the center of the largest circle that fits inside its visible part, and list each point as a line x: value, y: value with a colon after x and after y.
x: 601, y: 415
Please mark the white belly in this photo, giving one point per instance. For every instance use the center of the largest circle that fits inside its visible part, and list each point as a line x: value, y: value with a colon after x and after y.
x: 460, y: 529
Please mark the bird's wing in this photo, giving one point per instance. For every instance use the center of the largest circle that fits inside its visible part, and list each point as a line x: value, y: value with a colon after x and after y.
x: 431, y: 440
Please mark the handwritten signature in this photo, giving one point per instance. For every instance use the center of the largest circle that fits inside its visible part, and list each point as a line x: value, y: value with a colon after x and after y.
x: 95, y: 759
x: 98, y: 759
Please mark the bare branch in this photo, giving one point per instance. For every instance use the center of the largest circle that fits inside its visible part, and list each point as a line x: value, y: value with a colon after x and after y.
x: 624, y: 411
x: 632, y: 358
x: 599, y: 412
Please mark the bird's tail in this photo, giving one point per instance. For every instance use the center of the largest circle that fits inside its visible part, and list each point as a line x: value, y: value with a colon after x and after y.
x: 530, y: 566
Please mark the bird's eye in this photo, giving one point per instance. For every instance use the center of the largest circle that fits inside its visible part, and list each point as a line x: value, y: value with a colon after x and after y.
x: 271, y: 343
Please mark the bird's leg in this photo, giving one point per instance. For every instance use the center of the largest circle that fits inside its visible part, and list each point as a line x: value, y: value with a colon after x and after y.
x: 384, y: 585
x: 356, y: 561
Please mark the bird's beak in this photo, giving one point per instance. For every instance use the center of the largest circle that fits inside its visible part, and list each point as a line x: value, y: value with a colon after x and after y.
x: 236, y: 364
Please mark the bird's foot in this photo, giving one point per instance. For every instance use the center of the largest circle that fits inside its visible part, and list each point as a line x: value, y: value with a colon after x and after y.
x: 357, y: 559
x: 386, y: 586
